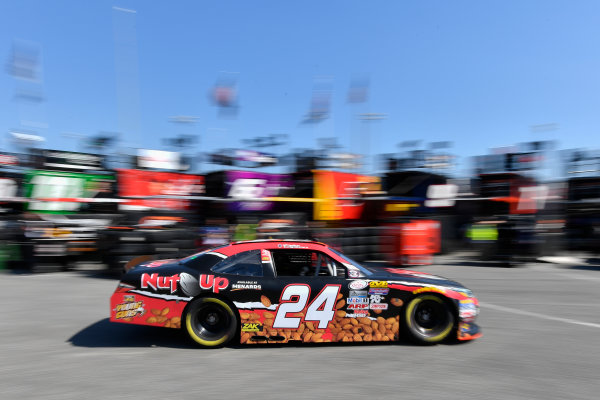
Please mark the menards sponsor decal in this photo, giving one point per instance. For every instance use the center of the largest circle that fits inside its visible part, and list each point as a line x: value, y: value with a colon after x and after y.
x: 246, y: 285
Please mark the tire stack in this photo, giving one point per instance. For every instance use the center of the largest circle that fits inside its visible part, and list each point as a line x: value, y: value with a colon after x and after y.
x: 388, y: 244
x: 330, y: 237
x: 119, y: 246
x: 11, y: 239
x: 359, y: 243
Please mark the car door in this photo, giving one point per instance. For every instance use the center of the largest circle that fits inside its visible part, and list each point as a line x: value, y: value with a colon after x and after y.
x: 307, y: 291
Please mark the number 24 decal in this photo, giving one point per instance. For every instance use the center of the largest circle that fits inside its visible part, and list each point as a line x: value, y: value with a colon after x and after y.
x: 294, y: 299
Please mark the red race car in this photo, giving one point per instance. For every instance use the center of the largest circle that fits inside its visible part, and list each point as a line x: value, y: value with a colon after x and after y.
x: 279, y: 291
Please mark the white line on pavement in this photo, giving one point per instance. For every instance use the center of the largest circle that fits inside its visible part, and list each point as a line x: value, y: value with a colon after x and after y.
x: 537, y: 315
x: 576, y: 276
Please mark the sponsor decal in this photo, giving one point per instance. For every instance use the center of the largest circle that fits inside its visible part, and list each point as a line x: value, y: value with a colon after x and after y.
x: 212, y: 282
x: 251, y: 327
x: 357, y: 285
x: 380, y: 291
x: 129, y: 308
x: 378, y: 306
x: 375, y: 298
x: 265, y: 256
x: 357, y: 300
x: 160, y: 282
x: 353, y: 273
x: 292, y: 246
x: 358, y: 293
x: 358, y: 306
x: 378, y: 284
x: 467, y: 310
x: 464, y: 327
x: 246, y: 285
x: 429, y: 289
x: 358, y: 314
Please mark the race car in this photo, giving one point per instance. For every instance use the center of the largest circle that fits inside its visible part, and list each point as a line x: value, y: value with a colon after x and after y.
x: 292, y: 291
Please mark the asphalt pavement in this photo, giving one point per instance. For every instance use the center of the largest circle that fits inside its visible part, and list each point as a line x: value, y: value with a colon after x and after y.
x: 541, y: 327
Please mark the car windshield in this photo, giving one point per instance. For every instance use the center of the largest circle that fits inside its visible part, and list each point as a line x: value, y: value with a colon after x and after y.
x: 355, y: 264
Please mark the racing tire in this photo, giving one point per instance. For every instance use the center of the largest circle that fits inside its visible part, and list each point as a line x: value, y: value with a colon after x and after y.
x: 211, y: 322
x: 428, y: 319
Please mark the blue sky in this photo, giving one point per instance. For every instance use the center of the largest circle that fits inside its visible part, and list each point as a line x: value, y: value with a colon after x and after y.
x: 479, y: 74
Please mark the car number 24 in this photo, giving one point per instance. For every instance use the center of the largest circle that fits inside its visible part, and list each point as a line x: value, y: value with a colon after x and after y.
x: 294, y: 299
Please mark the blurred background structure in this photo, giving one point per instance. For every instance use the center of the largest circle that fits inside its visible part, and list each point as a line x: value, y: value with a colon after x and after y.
x: 457, y: 136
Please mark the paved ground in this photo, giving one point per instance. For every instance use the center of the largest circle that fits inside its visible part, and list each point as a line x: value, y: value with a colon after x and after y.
x: 541, y: 325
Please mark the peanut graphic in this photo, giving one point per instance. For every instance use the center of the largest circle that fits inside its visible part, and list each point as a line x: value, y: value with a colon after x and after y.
x: 340, y: 329
x: 159, y: 316
x: 265, y: 301
x: 396, y: 302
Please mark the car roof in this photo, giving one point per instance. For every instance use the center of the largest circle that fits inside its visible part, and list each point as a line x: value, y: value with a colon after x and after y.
x: 245, y: 245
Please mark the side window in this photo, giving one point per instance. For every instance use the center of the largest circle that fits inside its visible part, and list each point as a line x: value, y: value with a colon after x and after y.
x: 340, y: 270
x: 306, y: 263
x: 247, y: 263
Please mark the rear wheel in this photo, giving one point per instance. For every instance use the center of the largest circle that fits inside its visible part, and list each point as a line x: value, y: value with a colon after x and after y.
x: 428, y: 319
x: 211, y: 322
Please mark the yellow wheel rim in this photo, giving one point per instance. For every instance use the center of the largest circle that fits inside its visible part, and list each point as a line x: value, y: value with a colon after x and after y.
x: 191, y: 331
x: 409, y: 320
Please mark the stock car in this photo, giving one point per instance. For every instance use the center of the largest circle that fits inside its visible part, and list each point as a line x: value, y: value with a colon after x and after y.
x: 292, y: 291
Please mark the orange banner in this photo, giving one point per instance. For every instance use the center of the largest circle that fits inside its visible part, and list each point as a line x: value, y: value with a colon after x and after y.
x: 337, y: 190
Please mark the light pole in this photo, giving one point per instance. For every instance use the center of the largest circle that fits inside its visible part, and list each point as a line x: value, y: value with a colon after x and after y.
x: 183, y: 140
x: 367, y: 118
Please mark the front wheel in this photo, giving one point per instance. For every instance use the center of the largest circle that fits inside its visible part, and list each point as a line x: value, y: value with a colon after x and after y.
x: 428, y: 319
x: 211, y: 322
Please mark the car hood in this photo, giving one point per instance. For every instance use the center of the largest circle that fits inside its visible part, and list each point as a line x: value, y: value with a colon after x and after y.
x: 409, y: 276
x: 159, y: 263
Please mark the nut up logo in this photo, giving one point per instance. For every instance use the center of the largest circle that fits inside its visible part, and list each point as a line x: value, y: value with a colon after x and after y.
x: 210, y: 281
x: 160, y: 282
